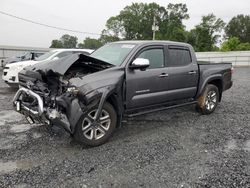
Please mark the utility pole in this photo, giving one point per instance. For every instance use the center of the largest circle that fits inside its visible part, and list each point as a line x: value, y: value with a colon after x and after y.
x: 154, y: 28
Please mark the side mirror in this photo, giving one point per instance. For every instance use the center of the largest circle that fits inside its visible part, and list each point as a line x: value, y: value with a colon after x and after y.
x: 140, y: 63
x: 55, y: 58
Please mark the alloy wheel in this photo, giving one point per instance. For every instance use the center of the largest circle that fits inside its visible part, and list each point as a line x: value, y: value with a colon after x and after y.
x: 96, y: 129
x: 211, y: 100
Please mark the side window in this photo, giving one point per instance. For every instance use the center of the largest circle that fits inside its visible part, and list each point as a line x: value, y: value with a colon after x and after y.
x: 179, y: 57
x: 37, y: 54
x: 63, y: 54
x: 155, y: 57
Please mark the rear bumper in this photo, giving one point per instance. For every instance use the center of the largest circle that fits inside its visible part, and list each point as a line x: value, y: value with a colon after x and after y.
x: 228, y: 85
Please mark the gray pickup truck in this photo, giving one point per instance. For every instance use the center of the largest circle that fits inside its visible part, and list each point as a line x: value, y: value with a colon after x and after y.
x: 89, y: 96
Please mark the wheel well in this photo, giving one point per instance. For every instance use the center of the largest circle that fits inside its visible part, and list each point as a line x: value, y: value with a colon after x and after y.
x: 218, y: 84
x: 112, y: 99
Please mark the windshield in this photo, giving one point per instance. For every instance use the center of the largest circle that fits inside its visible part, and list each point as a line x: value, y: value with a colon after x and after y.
x: 113, y: 53
x: 26, y: 56
x: 45, y: 56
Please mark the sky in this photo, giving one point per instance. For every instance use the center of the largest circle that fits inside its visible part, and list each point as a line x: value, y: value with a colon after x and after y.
x: 90, y: 16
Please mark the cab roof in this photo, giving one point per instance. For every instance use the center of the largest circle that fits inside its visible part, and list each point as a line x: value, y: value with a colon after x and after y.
x: 150, y: 42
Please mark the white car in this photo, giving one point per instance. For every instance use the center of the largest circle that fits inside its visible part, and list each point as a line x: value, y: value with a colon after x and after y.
x: 10, y: 71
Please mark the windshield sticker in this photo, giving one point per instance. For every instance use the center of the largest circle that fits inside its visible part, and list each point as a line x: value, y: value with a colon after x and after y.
x: 128, y: 46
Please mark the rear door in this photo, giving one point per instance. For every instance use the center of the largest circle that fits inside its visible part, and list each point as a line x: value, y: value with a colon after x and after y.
x: 147, y: 87
x: 183, y: 73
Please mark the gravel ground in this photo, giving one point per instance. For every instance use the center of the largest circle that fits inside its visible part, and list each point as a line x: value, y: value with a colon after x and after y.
x: 174, y: 148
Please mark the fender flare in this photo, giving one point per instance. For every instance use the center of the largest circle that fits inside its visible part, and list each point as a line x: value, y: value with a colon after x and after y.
x: 98, y: 97
x: 206, y: 81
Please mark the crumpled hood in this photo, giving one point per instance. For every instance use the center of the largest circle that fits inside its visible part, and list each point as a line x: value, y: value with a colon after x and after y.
x: 110, y: 78
x: 61, y: 65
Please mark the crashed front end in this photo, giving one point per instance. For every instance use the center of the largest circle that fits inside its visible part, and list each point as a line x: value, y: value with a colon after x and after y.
x: 48, y: 92
x: 64, y: 110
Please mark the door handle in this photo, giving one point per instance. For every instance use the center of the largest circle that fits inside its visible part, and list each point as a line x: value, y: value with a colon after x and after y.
x: 192, y: 72
x: 163, y: 75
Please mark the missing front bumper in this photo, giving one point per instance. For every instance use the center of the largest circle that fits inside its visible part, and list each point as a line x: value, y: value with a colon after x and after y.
x: 32, y: 115
x: 19, y: 106
x: 42, y: 114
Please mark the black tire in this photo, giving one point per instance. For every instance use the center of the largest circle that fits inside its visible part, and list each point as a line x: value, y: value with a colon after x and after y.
x: 87, y: 130
x: 209, y: 100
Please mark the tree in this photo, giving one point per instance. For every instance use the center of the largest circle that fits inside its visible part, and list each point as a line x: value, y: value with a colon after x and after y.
x: 172, y: 27
x: 239, y: 27
x: 135, y: 22
x: 234, y: 44
x: 66, y: 41
x: 205, y: 36
x: 90, y: 43
x: 69, y: 41
x: 56, y: 44
x: 114, y: 26
x: 230, y: 45
x: 243, y: 46
x: 107, y: 37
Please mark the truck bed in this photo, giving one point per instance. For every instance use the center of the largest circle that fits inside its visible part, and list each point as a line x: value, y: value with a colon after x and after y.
x: 210, y: 68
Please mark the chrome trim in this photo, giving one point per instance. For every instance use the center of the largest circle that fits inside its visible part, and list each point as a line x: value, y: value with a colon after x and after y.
x: 30, y: 110
x: 163, y: 75
x: 142, y: 91
x: 192, y: 72
x: 31, y: 93
x: 141, y: 62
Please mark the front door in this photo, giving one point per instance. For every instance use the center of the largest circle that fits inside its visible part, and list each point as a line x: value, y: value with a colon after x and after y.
x: 147, y: 87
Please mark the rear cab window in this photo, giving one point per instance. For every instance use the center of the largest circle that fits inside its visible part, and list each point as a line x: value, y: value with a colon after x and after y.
x: 178, y: 56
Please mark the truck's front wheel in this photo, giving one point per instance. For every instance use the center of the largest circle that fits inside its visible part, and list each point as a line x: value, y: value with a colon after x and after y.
x: 209, y: 99
x: 93, y: 132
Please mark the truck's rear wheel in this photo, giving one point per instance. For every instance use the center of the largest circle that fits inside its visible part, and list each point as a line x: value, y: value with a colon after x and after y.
x: 209, y: 100
x: 93, y: 132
